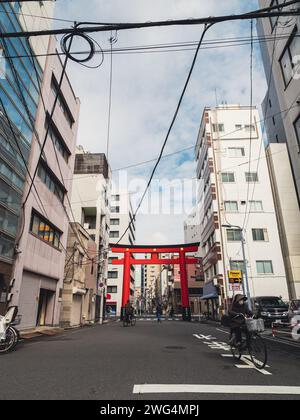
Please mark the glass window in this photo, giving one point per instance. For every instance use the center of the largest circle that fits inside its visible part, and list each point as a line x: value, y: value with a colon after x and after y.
x: 114, y: 222
x: 289, y: 61
x: 114, y: 235
x: 51, y: 183
x: 237, y: 265
x: 8, y: 221
x: 256, y: 206
x: 115, y: 209
x: 231, y: 206
x: 112, y: 274
x: 264, y: 267
x: 228, y: 177
x: 45, y: 230
x: 260, y: 235
x: 112, y: 289
x: 236, y: 152
x: 251, y: 177
x: 234, y: 235
x: 6, y: 247
x: 115, y: 197
x: 218, y: 128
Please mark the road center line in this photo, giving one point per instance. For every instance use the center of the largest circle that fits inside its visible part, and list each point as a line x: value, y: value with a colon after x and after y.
x: 216, y: 389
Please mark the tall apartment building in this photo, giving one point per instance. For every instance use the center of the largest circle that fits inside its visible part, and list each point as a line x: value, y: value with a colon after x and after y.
x: 42, y: 237
x: 235, y: 191
x: 19, y: 98
x: 121, y: 215
x: 281, y: 108
x: 91, y: 191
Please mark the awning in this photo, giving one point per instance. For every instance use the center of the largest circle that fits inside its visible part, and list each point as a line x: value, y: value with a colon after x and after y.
x: 211, y: 296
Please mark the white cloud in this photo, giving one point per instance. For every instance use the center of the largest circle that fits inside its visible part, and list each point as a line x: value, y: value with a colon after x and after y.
x: 147, y: 87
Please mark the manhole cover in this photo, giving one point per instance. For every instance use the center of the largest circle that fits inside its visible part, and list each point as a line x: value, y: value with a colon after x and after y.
x: 175, y: 348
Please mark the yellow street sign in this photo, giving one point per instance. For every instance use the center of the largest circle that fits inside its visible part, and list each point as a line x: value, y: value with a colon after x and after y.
x: 235, y: 275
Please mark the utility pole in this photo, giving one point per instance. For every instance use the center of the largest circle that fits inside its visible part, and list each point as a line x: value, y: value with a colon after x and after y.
x: 246, y: 289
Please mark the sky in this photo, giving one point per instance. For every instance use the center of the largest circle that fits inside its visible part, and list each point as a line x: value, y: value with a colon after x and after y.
x: 145, y: 92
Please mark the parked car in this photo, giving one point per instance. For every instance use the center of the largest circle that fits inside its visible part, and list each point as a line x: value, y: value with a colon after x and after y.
x: 294, y: 309
x: 271, y: 309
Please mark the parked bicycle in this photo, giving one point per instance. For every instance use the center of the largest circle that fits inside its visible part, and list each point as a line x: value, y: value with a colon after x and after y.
x: 251, y: 341
x: 9, y: 335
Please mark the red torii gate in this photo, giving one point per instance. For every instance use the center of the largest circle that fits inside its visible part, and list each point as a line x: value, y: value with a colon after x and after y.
x: 182, y: 260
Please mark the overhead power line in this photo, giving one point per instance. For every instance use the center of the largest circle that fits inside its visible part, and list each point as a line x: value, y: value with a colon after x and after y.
x: 102, y: 27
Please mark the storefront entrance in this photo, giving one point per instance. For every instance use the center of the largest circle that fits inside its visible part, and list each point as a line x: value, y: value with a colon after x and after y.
x: 43, y: 308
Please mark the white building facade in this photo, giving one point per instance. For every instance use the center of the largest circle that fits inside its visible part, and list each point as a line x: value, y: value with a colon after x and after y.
x: 91, y: 191
x: 235, y: 192
x: 120, y: 217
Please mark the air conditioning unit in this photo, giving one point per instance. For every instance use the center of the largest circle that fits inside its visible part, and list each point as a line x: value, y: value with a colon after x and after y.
x: 86, y: 226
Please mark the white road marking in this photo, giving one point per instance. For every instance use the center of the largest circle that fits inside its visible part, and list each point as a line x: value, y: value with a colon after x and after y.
x: 249, y: 365
x: 215, y: 389
x: 204, y: 337
x: 225, y: 332
x: 214, y: 345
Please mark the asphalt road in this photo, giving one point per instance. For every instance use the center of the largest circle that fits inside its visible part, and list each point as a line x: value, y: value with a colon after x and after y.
x: 114, y: 363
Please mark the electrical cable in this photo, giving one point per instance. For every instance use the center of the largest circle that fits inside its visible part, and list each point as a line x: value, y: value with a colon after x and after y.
x: 251, y: 122
x: 206, y: 29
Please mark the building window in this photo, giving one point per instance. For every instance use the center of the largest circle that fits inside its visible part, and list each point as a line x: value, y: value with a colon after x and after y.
x: 260, y: 235
x: 114, y: 222
x: 218, y: 128
x: 289, y: 60
x: 44, y: 230
x: 238, y: 127
x: 51, y: 182
x: 236, y: 152
x: 228, y: 177
x: 231, y: 206
x: 112, y: 274
x: 264, y: 267
x: 112, y: 289
x: 234, y: 235
x: 61, y: 102
x: 251, y: 177
x: 297, y: 129
x: 115, y: 209
x: 7, y: 246
x: 256, y: 206
x: 114, y: 234
x: 115, y: 197
x: 57, y: 140
x: 238, y: 265
x: 250, y: 128
x: 8, y: 221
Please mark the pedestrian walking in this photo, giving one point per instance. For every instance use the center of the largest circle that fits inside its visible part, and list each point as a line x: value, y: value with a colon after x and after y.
x: 159, y: 313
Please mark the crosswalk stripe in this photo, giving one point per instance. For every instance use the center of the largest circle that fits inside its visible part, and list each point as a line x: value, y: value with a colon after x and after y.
x: 216, y: 389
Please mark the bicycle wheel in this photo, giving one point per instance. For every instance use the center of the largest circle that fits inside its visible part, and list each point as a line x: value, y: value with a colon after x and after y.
x: 236, y: 353
x: 16, y: 337
x: 9, y: 343
x: 258, y: 351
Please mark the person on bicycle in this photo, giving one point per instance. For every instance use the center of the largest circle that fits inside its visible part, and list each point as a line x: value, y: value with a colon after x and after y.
x: 238, y: 311
x: 129, y: 311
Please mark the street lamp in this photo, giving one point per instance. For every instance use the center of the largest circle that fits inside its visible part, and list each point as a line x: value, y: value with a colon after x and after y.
x: 247, y: 293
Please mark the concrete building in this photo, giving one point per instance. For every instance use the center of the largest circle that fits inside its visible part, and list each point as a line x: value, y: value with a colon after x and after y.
x: 281, y: 109
x: 236, y: 191
x: 91, y: 191
x: 42, y: 237
x: 121, y: 215
x: 19, y: 99
x: 192, y: 234
x: 80, y: 280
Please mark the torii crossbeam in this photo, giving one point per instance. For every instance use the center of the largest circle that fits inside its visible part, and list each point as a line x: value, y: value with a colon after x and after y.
x: 180, y: 259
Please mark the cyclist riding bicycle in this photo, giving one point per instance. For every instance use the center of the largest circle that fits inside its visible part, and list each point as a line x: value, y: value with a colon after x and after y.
x: 237, y: 313
x: 129, y: 311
